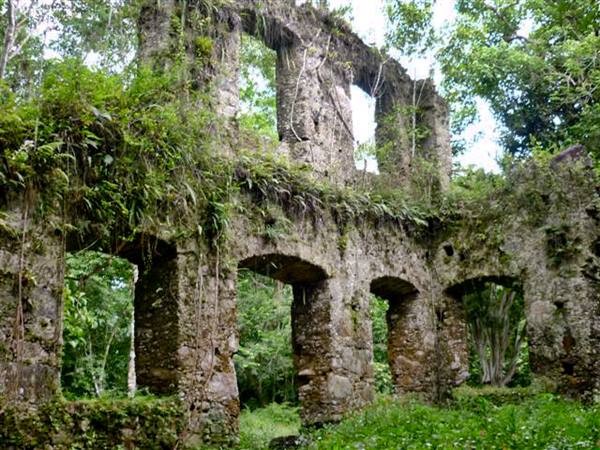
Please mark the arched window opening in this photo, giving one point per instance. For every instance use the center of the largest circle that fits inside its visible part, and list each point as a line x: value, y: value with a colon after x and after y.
x: 264, y: 362
x: 276, y: 328
x: 498, y: 346
x: 98, y: 354
x: 120, y: 320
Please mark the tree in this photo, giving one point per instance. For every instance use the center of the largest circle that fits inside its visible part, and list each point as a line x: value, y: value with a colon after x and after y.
x: 97, y: 333
x: 536, y: 63
x: 264, y: 363
x: 497, y: 329
x: 104, y: 29
x: 20, y: 46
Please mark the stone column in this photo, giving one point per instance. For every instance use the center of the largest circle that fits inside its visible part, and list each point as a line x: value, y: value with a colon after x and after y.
x: 399, y: 100
x: 392, y: 115
x: 427, y: 343
x: 197, y: 43
x: 334, y: 375
x: 31, y: 307
x: 207, y: 341
x: 314, y: 114
x: 453, y: 335
x: 156, y: 325
x: 411, y: 342
x: 434, y: 120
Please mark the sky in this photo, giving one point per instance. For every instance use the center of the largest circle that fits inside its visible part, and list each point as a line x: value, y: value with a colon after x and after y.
x: 370, y: 23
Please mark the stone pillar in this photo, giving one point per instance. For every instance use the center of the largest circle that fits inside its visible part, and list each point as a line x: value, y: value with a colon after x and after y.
x: 207, y: 341
x: 400, y: 158
x: 453, y: 335
x: 156, y: 326
x: 392, y: 115
x: 156, y: 44
x: 427, y: 343
x: 202, y: 46
x: 314, y: 114
x: 411, y: 343
x: 435, y: 147
x: 563, y: 329
x: 334, y: 375
x: 31, y: 308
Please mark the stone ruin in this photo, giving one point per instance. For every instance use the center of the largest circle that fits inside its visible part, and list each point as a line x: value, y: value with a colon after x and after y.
x: 185, y: 342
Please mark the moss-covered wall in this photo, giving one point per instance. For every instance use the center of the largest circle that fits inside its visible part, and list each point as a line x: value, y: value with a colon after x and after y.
x: 98, y: 424
x: 540, y: 230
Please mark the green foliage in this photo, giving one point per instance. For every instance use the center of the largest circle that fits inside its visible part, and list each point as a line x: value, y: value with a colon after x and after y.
x: 116, y: 150
x: 536, y: 63
x: 258, y: 88
x: 543, y: 421
x: 412, y: 33
x: 103, y: 29
x: 98, y: 312
x: 264, y: 364
x: 271, y: 180
x: 381, y: 366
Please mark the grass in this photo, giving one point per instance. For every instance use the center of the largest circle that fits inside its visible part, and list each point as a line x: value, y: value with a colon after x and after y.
x: 540, y: 421
x: 258, y: 427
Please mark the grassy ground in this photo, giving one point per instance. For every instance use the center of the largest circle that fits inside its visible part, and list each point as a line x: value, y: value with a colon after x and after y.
x: 477, y: 420
x: 258, y: 427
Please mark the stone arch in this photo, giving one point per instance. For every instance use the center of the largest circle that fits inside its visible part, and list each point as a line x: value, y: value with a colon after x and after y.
x: 285, y: 268
x: 326, y: 385
x: 406, y: 332
x: 155, y: 307
x: 469, y: 285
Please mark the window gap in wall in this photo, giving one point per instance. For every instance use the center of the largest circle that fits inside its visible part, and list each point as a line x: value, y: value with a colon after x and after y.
x: 98, y: 354
x: 381, y: 365
x: 496, y: 317
x: 363, y: 124
x: 258, y: 95
x: 264, y: 362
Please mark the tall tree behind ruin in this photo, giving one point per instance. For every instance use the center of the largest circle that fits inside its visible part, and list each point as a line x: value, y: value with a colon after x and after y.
x: 534, y: 62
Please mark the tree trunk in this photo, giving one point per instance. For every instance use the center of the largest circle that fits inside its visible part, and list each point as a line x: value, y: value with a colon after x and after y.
x: 9, y: 36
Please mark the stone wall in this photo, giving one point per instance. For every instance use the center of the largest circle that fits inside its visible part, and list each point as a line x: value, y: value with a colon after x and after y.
x: 31, y: 283
x: 544, y: 239
x: 318, y: 59
x: 544, y: 235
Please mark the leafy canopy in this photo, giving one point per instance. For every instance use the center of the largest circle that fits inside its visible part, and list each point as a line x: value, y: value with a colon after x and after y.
x: 536, y: 63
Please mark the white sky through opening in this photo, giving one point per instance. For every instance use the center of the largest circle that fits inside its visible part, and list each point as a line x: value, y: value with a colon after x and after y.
x: 369, y: 21
x: 363, y: 127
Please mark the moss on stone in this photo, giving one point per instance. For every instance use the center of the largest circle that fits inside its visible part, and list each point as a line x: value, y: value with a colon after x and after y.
x: 94, y: 424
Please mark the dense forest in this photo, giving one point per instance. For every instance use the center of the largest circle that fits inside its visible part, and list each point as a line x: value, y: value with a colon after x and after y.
x: 73, y: 94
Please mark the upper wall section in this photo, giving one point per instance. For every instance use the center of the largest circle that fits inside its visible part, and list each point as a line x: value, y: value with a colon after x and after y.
x: 318, y: 59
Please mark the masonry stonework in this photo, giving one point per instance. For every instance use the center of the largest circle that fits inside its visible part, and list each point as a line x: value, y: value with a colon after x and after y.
x: 185, y: 302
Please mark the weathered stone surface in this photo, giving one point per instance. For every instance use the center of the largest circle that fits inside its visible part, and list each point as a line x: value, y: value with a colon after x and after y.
x: 318, y: 59
x: 31, y: 283
x: 185, y: 301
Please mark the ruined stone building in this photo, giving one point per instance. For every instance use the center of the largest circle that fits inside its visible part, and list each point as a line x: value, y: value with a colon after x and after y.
x: 185, y: 299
